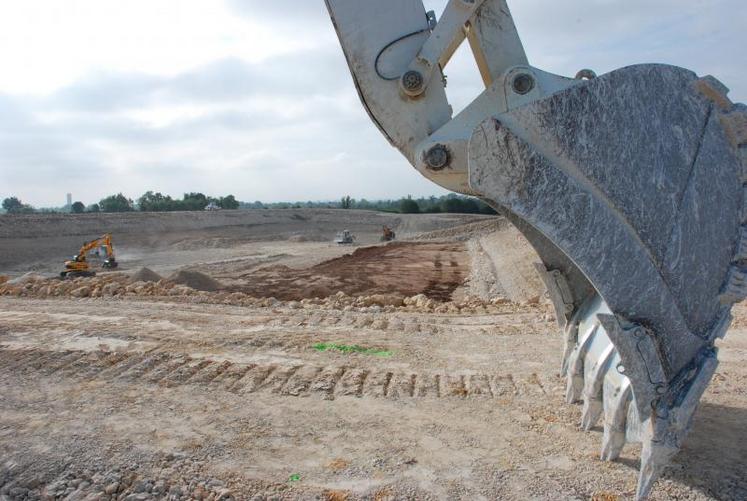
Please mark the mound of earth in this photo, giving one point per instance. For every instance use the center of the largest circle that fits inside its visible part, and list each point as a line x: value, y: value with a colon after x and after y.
x: 146, y: 275
x: 196, y: 280
x: 465, y: 232
x: 28, y: 277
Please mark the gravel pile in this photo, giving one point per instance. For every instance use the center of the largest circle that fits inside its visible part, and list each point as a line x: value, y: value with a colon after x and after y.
x: 119, y: 285
x: 146, y: 275
x: 196, y: 280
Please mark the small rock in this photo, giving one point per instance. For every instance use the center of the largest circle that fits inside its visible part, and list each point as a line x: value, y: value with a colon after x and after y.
x: 138, y: 497
x: 81, y: 292
x: 111, y: 289
x: 533, y: 300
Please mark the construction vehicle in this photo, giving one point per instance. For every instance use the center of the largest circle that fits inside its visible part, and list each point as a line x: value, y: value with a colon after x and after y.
x: 79, y: 267
x: 629, y: 185
x: 345, y: 238
x: 387, y: 234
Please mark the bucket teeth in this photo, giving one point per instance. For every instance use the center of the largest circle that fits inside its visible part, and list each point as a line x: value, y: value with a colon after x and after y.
x: 597, y: 373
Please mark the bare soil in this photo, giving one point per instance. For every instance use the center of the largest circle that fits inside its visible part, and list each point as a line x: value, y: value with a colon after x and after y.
x: 208, y: 395
x: 406, y: 268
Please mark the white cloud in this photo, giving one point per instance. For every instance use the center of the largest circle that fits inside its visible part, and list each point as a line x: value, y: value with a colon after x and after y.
x: 45, y: 43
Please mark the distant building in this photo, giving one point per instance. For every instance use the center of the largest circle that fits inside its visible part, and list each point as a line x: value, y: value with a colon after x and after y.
x: 69, y: 204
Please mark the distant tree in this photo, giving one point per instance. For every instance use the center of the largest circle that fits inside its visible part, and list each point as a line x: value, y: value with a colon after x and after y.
x: 14, y: 206
x: 408, y: 206
x: 346, y: 202
x: 194, y: 201
x: 460, y: 205
x: 93, y: 208
x: 116, y: 203
x: 157, y: 202
x: 78, y: 208
x: 228, y: 202
x: 430, y: 205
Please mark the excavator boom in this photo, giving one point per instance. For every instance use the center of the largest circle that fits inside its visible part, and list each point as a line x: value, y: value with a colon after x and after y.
x: 629, y: 185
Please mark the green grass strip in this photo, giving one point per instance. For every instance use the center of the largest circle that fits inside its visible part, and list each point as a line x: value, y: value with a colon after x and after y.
x: 345, y: 348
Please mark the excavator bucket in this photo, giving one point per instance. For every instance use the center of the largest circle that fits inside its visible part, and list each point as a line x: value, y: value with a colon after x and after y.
x: 629, y: 185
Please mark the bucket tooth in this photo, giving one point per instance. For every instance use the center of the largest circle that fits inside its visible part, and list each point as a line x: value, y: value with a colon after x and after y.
x: 590, y: 413
x: 571, y: 339
x: 575, y: 374
x: 596, y: 366
x: 654, y: 458
x: 617, y: 396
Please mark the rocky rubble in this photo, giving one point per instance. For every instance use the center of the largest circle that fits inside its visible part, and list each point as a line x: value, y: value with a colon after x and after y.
x: 119, y: 285
x: 177, y: 479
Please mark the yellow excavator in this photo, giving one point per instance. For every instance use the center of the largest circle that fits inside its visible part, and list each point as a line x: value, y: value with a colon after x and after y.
x: 78, y: 266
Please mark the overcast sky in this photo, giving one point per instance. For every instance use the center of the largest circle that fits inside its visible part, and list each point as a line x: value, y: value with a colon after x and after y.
x: 254, y: 97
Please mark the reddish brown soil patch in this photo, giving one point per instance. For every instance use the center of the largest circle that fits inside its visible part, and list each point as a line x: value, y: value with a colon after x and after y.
x: 407, y: 268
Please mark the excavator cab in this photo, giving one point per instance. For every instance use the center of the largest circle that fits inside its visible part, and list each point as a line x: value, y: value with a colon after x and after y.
x: 630, y: 186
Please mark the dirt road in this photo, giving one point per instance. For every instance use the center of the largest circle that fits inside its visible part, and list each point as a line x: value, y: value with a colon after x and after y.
x: 148, y: 399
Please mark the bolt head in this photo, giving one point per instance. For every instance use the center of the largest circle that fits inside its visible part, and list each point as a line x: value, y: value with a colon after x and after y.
x: 412, y: 82
x: 438, y: 157
x: 523, y: 83
x: 586, y: 74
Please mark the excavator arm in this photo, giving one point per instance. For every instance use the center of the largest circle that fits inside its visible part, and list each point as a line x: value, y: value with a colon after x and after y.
x: 629, y: 185
x: 104, y: 241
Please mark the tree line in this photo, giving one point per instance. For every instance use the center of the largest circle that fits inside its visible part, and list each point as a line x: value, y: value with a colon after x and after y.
x: 158, y: 202
x: 148, y: 202
x: 450, y: 203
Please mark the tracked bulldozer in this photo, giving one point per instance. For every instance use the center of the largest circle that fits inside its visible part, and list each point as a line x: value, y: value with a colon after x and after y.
x: 629, y: 185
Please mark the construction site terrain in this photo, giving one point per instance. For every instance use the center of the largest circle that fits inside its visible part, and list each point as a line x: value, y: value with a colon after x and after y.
x: 245, y: 355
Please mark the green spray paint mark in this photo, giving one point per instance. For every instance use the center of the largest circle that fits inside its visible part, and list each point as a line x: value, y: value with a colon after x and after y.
x: 345, y: 348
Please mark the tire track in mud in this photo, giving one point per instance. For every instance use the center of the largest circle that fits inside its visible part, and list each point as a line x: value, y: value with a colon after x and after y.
x: 303, y: 380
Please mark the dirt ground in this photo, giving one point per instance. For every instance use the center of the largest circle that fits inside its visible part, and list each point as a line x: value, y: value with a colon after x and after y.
x: 449, y: 392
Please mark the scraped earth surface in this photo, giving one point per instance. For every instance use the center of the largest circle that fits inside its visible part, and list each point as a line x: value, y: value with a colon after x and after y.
x: 407, y: 268
x: 145, y: 394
